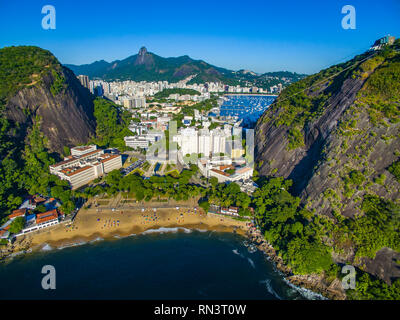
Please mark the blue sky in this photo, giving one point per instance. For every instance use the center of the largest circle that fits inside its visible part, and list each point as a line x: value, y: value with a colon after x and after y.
x: 259, y: 35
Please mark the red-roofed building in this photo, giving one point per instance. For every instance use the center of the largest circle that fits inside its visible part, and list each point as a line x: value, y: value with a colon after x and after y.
x: 4, y: 234
x: 17, y: 213
x: 47, y: 218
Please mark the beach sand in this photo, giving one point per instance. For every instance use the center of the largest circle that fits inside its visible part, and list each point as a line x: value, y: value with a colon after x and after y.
x: 90, y: 224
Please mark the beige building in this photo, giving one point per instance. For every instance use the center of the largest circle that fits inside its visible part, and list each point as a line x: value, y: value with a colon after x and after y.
x: 81, y: 150
x: 80, y: 170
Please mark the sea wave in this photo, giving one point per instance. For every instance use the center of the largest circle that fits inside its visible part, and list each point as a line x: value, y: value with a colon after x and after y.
x: 270, y: 289
x: 251, y: 262
x: 201, y: 230
x: 97, y: 239
x: 75, y: 244
x: 166, y: 230
x: 306, y: 293
x: 47, y: 247
x: 235, y: 251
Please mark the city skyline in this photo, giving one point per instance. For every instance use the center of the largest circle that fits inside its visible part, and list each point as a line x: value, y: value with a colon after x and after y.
x: 259, y: 36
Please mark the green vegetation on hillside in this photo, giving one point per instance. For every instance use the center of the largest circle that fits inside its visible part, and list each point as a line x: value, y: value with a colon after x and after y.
x: 291, y: 230
x: 394, y: 169
x: 111, y: 124
x: 369, y: 288
x: 181, y: 91
x: 306, y: 99
x: 380, y: 94
x: 302, y: 238
x: 24, y: 170
x: 23, y: 66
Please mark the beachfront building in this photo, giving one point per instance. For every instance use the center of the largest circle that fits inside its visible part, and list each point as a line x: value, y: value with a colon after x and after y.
x: 80, y: 170
x: 34, y: 222
x: 230, y: 211
x: 17, y: 213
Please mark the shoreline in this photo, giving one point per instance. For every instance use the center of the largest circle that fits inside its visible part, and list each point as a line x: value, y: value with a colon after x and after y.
x: 92, y: 225
x: 313, y: 282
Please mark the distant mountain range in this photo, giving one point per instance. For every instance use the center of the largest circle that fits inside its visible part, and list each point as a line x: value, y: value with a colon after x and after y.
x: 147, y: 66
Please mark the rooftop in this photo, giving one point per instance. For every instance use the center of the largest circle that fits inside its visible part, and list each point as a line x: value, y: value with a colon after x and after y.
x: 72, y: 171
x: 17, y: 213
x: 46, y: 216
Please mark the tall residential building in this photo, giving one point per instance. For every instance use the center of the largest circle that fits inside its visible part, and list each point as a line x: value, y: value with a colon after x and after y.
x: 84, y: 80
x: 218, y: 141
x: 205, y: 141
x: 187, y: 140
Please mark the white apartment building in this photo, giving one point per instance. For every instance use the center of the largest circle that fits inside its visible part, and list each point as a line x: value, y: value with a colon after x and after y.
x: 205, y: 142
x: 218, y: 141
x: 79, y: 170
x: 187, y: 141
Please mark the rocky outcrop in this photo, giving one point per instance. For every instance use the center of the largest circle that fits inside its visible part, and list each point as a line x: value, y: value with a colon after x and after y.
x: 66, y: 117
x: 331, y: 289
x: 346, y: 145
x: 341, y: 138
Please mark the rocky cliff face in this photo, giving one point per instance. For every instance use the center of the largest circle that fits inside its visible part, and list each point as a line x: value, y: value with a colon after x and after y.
x: 63, y: 104
x: 320, y: 143
x: 336, y: 134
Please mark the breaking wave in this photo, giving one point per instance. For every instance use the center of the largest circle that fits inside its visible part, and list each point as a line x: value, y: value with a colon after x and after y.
x: 270, y: 289
x: 47, y: 247
x: 306, y: 293
x: 166, y: 230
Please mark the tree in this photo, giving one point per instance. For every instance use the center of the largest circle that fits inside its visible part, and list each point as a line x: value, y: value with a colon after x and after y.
x: 114, y: 177
x: 66, y: 151
x: 17, y: 225
x: 214, y: 181
x: 40, y: 209
x: 204, y: 205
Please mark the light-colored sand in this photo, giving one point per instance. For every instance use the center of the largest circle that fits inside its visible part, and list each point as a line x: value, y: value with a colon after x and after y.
x: 92, y: 223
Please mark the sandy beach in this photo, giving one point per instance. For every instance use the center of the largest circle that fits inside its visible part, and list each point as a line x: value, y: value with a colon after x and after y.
x: 105, y: 222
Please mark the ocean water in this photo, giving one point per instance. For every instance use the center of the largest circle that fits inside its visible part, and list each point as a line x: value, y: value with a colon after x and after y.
x: 162, y: 264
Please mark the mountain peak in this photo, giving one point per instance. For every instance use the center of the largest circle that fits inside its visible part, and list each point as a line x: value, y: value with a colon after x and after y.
x: 142, y: 51
x: 143, y: 57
